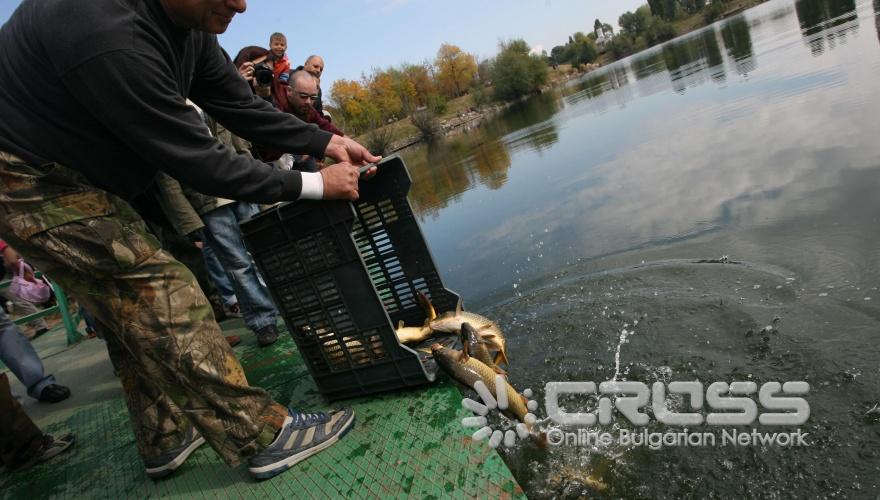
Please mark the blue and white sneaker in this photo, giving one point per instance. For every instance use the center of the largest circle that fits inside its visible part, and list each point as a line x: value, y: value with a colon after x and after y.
x: 301, y: 436
x: 169, y: 461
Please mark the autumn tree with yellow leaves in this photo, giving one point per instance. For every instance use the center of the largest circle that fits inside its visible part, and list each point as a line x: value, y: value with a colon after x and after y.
x: 396, y: 92
x: 455, y: 70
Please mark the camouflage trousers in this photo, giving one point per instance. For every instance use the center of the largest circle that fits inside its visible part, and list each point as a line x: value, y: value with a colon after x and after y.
x: 175, y: 366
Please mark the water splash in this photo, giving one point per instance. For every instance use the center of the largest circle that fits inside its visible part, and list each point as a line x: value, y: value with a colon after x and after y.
x: 622, y: 339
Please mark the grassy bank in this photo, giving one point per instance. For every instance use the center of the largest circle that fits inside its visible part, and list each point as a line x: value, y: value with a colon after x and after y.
x: 697, y: 21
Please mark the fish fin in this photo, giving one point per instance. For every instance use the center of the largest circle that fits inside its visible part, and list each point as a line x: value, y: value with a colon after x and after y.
x: 501, y: 357
x: 499, y: 371
x: 487, y: 327
x: 426, y: 305
x: 458, y: 307
x: 465, y: 351
x: 400, y: 324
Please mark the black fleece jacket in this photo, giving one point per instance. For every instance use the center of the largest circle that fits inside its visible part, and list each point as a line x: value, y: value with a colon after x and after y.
x: 100, y: 86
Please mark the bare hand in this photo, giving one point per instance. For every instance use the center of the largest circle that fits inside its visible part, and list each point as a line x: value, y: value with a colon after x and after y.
x: 343, y: 149
x: 246, y: 70
x: 340, y: 181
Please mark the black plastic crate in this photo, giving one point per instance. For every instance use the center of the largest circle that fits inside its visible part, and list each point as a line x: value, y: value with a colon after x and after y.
x: 343, y: 274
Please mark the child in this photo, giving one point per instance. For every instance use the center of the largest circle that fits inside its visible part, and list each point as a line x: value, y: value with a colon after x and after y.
x: 280, y: 66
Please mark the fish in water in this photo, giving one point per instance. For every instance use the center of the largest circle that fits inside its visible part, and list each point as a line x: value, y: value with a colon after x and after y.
x: 474, y: 345
x: 469, y: 370
x: 567, y: 476
x: 450, y: 322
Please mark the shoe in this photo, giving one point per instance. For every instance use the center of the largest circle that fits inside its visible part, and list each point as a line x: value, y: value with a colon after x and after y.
x: 267, y: 335
x: 49, y: 448
x: 169, y: 461
x: 55, y: 446
x: 234, y: 311
x: 233, y: 340
x: 301, y: 436
x: 54, y: 393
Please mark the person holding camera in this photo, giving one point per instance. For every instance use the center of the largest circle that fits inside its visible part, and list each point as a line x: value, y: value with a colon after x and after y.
x: 254, y: 66
x: 106, y: 113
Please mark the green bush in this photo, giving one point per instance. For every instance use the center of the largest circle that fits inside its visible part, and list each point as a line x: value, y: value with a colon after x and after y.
x: 426, y: 122
x: 436, y: 103
x: 713, y: 12
x: 516, y: 73
x: 481, y: 96
x: 379, y: 140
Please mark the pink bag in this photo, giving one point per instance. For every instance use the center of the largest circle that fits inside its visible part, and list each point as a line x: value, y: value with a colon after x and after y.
x: 37, y: 291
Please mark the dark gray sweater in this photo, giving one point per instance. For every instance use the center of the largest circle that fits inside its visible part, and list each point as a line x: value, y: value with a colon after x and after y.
x: 100, y: 86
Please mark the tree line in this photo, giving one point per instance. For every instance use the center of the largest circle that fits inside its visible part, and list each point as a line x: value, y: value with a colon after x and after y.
x: 396, y: 92
x: 393, y: 93
x: 647, y: 26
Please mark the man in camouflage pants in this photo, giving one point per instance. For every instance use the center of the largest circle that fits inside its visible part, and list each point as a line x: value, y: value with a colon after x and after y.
x: 91, y: 128
x: 163, y: 338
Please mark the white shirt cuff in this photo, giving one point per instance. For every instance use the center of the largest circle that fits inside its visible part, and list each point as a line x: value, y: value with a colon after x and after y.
x: 312, y: 186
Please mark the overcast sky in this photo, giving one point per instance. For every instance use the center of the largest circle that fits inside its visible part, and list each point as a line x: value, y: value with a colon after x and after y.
x: 357, y: 35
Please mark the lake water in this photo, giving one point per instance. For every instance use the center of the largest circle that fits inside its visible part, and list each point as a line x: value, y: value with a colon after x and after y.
x: 572, y: 216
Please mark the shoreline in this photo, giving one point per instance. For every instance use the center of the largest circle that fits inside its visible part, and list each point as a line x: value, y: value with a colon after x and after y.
x: 451, y: 122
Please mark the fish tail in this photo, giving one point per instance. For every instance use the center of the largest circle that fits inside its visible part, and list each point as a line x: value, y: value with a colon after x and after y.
x: 426, y: 306
x: 501, y: 357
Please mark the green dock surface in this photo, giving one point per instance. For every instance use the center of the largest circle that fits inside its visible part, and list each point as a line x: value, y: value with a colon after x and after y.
x: 406, y: 444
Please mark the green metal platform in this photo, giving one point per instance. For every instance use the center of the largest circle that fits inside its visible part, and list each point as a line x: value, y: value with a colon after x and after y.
x: 408, y: 444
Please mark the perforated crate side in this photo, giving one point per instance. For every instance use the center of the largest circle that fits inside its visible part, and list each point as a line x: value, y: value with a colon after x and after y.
x: 336, y: 304
x: 394, y: 249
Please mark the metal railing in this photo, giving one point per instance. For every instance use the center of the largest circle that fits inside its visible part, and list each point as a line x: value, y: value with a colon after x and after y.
x: 61, y: 306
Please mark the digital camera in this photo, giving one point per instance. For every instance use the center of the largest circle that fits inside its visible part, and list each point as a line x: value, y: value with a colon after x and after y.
x: 263, y: 74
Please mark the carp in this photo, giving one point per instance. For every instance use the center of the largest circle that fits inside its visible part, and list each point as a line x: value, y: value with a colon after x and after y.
x: 468, y: 370
x: 474, y: 345
x: 450, y: 322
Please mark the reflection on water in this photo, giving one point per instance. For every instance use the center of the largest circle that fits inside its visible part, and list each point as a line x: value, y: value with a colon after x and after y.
x: 822, y: 21
x: 589, y: 139
x: 738, y: 40
x: 480, y: 157
x: 877, y: 17
x: 570, y: 215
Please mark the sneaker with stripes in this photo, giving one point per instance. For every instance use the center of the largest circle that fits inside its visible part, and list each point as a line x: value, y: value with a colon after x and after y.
x: 301, y: 436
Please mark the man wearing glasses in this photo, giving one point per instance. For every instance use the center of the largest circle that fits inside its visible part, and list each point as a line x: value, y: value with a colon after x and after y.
x: 302, y: 94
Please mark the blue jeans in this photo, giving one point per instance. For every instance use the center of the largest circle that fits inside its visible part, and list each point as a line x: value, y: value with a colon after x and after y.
x: 224, y: 236
x: 19, y: 355
x: 218, y: 275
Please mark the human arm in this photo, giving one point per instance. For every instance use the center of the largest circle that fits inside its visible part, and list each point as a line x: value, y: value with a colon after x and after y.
x: 137, y: 99
x: 220, y: 90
